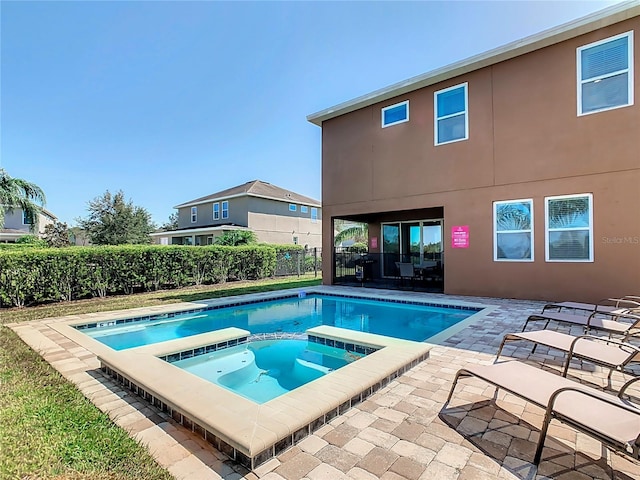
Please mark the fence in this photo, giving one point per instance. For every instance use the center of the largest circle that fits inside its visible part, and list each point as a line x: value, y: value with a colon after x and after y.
x: 381, y: 269
x: 298, y: 262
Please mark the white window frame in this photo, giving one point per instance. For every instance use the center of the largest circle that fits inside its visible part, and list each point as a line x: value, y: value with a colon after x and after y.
x: 314, y: 215
x: 590, y: 228
x: 293, y: 207
x: 385, y: 125
x: 495, y: 231
x: 304, y: 209
x: 194, y: 214
x: 465, y: 85
x: 24, y: 218
x: 216, y: 213
x: 628, y: 70
x: 225, y: 209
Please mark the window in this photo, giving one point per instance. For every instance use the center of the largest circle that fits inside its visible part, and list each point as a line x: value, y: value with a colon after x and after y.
x: 225, y: 209
x: 26, y: 219
x: 216, y: 211
x: 451, y: 119
x: 513, y: 231
x: 304, y: 209
x: 394, y: 114
x: 293, y: 207
x: 569, y: 228
x: 194, y: 214
x: 605, y: 74
x: 314, y: 215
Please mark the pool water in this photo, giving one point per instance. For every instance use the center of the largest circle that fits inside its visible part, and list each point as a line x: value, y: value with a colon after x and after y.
x: 291, y: 315
x: 266, y: 369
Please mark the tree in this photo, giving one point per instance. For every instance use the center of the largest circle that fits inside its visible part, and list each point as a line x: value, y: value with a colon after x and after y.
x: 113, y: 221
x: 17, y: 193
x: 358, y: 232
x: 235, y: 238
x: 171, y: 224
x: 57, y: 235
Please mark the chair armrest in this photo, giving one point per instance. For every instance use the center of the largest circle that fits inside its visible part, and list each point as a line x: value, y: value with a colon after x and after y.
x: 631, y: 301
x: 606, y: 340
x: 617, y: 316
x: 614, y: 401
x: 627, y: 385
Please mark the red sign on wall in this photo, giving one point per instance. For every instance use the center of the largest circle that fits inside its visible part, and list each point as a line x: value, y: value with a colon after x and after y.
x: 374, y: 242
x: 460, y: 236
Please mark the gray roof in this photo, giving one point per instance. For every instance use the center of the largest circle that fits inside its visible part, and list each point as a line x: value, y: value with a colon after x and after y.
x: 254, y: 188
x: 600, y: 19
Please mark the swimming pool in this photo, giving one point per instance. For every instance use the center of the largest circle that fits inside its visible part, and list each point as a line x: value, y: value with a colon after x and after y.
x: 263, y: 370
x: 406, y: 320
x: 249, y: 432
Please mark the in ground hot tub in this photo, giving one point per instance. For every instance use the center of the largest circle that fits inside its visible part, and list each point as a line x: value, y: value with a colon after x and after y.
x: 265, y: 369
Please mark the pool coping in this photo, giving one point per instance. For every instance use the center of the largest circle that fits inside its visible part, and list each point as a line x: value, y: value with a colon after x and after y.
x: 247, y: 432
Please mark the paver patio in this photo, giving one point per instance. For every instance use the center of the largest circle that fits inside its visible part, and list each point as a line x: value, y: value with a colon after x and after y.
x: 400, y: 432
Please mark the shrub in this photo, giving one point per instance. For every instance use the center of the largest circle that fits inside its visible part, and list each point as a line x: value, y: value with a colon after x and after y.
x: 34, y: 275
x: 32, y: 240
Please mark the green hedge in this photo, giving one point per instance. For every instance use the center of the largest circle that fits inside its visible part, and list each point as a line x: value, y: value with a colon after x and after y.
x: 33, y: 276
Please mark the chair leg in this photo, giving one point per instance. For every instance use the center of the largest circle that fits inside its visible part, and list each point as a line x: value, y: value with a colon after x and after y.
x: 543, y: 434
x: 453, y: 386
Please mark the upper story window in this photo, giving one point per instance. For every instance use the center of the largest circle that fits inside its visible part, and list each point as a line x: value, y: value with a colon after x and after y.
x: 26, y: 218
x: 304, y: 209
x: 605, y: 74
x: 216, y: 211
x: 569, y: 228
x: 314, y: 215
x: 394, y: 114
x: 225, y: 209
x: 293, y: 207
x: 513, y: 231
x: 194, y: 214
x: 451, y: 116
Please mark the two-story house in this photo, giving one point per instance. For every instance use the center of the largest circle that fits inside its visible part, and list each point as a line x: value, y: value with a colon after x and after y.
x: 521, y: 164
x: 17, y: 224
x: 275, y: 215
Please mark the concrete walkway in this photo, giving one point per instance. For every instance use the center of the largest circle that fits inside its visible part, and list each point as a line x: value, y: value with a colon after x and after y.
x: 400, y: 432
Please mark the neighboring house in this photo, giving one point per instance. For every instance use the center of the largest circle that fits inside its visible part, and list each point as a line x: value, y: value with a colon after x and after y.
x: 521, y: 164
x: 274, y: 214
x: 17, y: 224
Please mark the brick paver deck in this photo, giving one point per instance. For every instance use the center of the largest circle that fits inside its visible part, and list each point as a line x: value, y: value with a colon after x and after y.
x: 401, y: 432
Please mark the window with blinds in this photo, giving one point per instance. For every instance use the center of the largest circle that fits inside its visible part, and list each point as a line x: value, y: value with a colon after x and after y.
x: 513, y: 231
x: 605, y: 74
x: 451, y: 121
x: 569, y: 228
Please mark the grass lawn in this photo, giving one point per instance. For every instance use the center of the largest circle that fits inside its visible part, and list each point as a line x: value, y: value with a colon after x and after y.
x: 48, y: 429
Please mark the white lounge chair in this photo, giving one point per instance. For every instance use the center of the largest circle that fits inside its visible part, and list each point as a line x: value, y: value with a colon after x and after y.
x: 610, y: 419
x: 605, y: 352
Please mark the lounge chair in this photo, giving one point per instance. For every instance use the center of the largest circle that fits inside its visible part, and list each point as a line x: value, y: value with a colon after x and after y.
x: 625, y: 324
x: 605, y: 352
x: 610, y: 419
x: 607, y: 306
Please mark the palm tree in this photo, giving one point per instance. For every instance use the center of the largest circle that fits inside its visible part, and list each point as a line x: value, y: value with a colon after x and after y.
x: 359, y: 232
x: 17, y: 193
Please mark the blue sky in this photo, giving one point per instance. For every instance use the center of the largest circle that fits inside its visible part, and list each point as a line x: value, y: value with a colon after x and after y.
x: 170, y: 101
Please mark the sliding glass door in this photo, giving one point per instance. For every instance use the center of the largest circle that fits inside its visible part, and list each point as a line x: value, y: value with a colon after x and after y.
x: 416, y: 242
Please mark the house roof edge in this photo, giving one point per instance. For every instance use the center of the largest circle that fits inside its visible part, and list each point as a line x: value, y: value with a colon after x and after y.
x: 594, y: 21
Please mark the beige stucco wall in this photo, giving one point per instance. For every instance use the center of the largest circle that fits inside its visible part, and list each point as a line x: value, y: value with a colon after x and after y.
x: 525, y: 141
x: 237, y: 214
x: 13, y: 220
